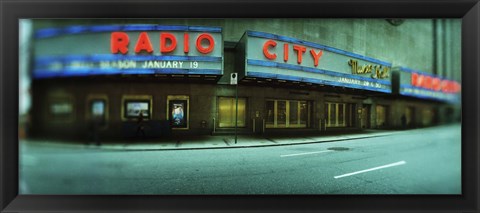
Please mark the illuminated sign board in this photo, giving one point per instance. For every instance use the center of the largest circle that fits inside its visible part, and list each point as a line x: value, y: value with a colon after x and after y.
x: 427, y: 86
x: 128, y: 49
x: 279, y: 57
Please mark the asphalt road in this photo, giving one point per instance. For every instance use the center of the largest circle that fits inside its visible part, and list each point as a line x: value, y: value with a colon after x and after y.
x: 421, y: 161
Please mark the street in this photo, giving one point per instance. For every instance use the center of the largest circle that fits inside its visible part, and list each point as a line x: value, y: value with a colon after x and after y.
x: 420, y: 161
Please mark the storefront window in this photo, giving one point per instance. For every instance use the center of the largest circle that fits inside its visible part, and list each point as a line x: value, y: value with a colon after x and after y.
x: 227, y: 111
x: 270, y: 115
x: 61, y: 110
x: 281, y: 113
x: 332, y: 114
x: 293, y: 115
x: 136, y: 106
x: 303, y: 112
x: 339, y: 114
x: 97, y: 110
x: 286, y: 114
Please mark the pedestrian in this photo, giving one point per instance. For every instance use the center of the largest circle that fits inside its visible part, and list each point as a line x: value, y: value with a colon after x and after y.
x: 404, y: 121
x: 140, y: 125
x: 95, y: 123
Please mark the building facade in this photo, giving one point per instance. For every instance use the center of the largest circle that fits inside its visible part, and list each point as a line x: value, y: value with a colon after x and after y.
x: 293, y: 76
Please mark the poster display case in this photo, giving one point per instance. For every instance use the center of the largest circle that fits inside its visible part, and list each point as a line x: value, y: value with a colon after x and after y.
x: 178, y: 111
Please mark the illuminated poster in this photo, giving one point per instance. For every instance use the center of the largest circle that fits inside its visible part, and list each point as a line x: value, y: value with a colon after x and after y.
x: 134, y: 108
x: 62, y: 109
x: 178, y: 113
x: 98, y: 108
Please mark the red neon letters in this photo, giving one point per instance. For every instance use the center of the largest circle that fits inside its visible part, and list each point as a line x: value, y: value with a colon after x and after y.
x: 143, y: 43
x: 185, y: 43
x: 207, y: 37
x: 269, y: 52
x: 316, y: 56
x: 434, y: 83
x: 285, y: 52
x: 119, y: 42
x: 168, y: 42
x: 300, y: 50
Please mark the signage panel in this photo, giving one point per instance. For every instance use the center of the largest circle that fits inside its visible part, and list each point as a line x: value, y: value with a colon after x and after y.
x: 128, y: 49
x: 427, y: 86
x: 284, y: 58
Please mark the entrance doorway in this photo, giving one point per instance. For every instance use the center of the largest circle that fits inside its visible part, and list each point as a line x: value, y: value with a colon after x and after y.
x: 410, y: 115
x: 227, y: 112
x: 365, y: 116
x: 287, y: 114
x: 382, y: 116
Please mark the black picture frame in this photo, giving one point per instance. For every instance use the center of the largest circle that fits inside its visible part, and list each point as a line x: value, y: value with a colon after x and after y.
x: 11, y: 11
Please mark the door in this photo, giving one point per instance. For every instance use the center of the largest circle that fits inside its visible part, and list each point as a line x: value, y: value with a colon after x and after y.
x: 227, y: 112
x: 365, y: 116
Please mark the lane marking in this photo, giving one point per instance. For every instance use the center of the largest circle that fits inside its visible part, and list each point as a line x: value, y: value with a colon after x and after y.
x: 306, y: 153
x: 372, y: 169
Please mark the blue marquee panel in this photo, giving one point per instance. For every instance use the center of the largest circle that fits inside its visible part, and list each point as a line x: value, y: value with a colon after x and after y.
x: 315, y: 45
x: 406, y: 89
x: 333, y: 69
x: 44, y: 66
x: 72, y: 30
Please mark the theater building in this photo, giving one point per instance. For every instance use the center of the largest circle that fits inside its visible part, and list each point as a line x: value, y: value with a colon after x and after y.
x: 176, y: 76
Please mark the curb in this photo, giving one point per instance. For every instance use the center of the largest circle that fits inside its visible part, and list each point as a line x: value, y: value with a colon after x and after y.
x: 233, y: 147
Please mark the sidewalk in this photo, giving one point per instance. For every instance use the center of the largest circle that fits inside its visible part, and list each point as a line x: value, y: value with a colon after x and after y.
x: 228, y: 141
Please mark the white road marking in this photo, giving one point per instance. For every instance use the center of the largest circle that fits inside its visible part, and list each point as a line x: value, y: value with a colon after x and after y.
x: 305, y: 153
x: 372, y: 169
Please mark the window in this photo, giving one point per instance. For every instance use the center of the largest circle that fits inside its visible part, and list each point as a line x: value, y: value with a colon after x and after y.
x: 61, y: 109
x: 270, y: 115
x: 281, y: 113
x: 287, y: 114
x: 134, y: 105
x: 97, y: 109
x: 227, y: 111
x: 340, y: 114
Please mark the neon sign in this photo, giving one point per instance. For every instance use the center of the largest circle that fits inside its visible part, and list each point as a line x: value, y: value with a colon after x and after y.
x: 120, y: 41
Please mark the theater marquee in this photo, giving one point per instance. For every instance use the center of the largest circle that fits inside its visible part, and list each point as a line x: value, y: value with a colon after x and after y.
x: 279, y: 57
x: 128, y: 49
x: 427, y: 86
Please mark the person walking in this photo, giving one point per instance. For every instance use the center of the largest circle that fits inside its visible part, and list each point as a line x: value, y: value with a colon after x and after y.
x: 404, y: 121
x: 140, y: 125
